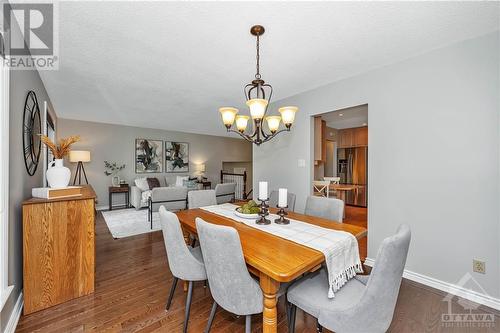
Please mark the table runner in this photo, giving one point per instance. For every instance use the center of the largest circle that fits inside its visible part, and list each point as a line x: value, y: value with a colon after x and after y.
x: 340, y: 248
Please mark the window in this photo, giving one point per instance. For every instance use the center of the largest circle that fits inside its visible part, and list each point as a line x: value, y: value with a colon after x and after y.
x: 4, y: 181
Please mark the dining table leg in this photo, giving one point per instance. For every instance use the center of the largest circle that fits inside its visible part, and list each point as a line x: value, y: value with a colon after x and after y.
x: 270, y: 289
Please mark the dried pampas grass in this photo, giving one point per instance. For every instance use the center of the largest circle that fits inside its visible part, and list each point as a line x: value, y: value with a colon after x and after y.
x: 63, y: 147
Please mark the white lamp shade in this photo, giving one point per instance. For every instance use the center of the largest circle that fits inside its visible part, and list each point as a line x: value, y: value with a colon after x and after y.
x: 79, y: 156
x: 241, y: 122
x: 228, y: 114
x: 273, y: 122
x: 257, y: 107
x: 288, y: 114
x: 201, y: 167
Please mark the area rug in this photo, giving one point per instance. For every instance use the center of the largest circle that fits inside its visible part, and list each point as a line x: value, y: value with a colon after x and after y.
x: 130, y: 222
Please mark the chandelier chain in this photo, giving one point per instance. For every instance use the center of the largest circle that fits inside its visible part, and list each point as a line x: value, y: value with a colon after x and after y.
x: 257, y: 75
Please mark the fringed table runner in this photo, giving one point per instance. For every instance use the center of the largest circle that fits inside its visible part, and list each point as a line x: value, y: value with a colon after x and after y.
x: 340, y: 248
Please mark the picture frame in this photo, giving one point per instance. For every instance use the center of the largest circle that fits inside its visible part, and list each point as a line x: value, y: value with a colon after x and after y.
x: 176, y: 157
x: 148, y: 156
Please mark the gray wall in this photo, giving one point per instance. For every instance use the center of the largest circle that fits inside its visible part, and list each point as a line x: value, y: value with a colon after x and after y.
x: 20, y: 183
x: 117, y: 143
x: 433, y: 158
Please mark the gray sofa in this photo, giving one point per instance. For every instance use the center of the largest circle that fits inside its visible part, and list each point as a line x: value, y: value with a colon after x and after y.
x: 139, y: 198
x: 172, y: 198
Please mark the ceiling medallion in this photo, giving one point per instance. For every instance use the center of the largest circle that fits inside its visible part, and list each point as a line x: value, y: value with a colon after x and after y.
x: 258, y: 94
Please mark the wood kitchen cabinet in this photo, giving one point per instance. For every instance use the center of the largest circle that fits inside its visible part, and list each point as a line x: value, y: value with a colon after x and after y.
x: 361, y: 136
x: 319, y: 139
x: 353, y: 137
x: 346, y: 138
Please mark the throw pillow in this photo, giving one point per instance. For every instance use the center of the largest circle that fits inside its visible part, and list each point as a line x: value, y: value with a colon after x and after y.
x: 153, y: 182
x: 142, y: 184
x: 190, y: 184
x: 180, y: 180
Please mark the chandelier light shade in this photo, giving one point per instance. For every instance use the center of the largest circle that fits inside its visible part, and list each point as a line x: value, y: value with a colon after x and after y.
x: 288, y: 114
x: 258, y: 94
x: 228, y: 115
x: 242, y: 122
x: 257, y: 107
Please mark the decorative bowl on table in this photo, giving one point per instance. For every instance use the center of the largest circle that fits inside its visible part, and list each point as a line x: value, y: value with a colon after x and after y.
x: 250, y: 210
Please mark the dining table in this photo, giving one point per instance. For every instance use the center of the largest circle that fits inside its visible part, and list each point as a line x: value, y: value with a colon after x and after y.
x: 274, y: 260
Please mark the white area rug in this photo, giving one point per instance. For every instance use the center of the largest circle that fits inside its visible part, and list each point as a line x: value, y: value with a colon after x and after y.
x: 130, y: 222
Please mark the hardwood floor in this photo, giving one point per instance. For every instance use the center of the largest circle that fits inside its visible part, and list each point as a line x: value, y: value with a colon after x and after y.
x: 358, y: 216
x: 132, y: 284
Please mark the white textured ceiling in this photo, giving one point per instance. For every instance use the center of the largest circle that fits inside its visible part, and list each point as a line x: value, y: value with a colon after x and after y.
x: 356, y: 116
x: 170, y: 65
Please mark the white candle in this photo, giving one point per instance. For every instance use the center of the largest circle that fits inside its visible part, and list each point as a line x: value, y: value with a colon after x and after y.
x: 282, y: 198
x: 263, y: 191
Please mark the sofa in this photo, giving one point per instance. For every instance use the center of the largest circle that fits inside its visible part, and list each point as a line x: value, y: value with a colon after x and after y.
x: 141, y: 190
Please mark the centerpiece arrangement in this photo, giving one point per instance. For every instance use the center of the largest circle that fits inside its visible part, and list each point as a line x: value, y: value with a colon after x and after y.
x: 250, y: 210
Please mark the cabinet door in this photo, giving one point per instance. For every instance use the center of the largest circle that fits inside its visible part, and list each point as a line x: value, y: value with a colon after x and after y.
x: 361, y: 136
x: 323, y: 140
x: 317, y: 138
x: 346, y: 138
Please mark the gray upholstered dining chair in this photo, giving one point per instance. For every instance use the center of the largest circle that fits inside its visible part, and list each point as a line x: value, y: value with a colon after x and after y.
x: 328, y: 208
x: 201, y: 198
x: 225, y: 192
x: 185, y: 262
x: 231, y: 285
x: 363, y: 304
x: 290, y: 199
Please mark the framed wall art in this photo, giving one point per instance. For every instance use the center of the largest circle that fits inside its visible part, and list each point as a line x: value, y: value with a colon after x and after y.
x: 176, y: 156
x: 148, y: 156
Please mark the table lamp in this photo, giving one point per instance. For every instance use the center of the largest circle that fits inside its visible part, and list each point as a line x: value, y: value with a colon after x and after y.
x: 79, y: 156
x: 201, y: 170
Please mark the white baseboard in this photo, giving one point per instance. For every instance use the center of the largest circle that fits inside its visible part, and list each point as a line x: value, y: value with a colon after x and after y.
x: 102, y: 207
x: 447, y: 287
x: 15, y: 315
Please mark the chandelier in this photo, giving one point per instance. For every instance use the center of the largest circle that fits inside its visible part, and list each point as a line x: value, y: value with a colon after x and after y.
x: 258, y: 95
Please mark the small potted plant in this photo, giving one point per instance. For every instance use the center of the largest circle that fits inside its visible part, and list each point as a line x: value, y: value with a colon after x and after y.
x: 112, y: 169
x: 58, y: 176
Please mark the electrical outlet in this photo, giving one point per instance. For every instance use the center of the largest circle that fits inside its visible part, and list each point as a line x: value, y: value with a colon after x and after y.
x: 479, y: 266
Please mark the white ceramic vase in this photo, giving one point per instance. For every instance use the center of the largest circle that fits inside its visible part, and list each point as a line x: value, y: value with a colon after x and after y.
x: 58, y: 176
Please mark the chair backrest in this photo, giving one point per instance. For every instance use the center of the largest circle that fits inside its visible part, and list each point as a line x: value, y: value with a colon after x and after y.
x: 173, y: 198
x: 321, y: 187
x: 273, y: 200
x: 375, y: 309
x: 201, y: 198
x: 182, y: 263
x: 225, y: 192
x: 231, y: 285
x: 387, y: 272
x: 328, y: 208
x: 332, y: 180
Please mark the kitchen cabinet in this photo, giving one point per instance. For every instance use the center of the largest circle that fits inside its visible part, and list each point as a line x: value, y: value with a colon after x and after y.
x: 353, y: 137
x: 346, y: 138
x: 319, y: 139
x: 361, y: 136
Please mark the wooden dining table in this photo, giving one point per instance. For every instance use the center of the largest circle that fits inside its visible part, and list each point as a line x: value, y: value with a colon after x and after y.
x: 273, y: 259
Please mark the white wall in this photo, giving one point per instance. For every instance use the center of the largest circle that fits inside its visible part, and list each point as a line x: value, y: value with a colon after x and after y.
x: 433, y: 158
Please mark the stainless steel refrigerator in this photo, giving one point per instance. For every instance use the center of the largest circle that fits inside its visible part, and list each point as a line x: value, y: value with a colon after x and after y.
x: 352, y: 168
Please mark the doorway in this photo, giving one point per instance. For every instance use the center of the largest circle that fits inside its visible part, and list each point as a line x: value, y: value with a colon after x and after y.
x: 341, y: 155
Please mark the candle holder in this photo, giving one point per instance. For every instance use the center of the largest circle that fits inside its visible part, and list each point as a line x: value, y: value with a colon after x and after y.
x: 282, y: 213
x: 264, y: 211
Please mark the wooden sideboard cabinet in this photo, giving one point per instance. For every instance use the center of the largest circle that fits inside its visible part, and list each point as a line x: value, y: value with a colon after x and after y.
x: 58, y: 249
